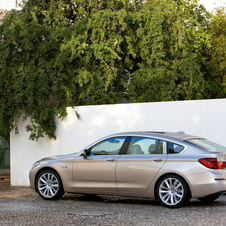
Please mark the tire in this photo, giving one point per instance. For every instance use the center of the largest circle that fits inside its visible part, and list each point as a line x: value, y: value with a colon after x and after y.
x: 172, y: 191
x: 208, y: 198
x: 49, y: 185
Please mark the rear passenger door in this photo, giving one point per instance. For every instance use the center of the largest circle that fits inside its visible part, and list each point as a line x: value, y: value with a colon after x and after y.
x: 137, y: 168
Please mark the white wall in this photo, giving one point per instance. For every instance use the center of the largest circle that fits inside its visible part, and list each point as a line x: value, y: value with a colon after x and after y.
x: 204, y: 118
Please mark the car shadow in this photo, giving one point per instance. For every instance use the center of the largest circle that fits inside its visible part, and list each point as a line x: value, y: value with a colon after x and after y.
x: 138, y: 201
x: 111, y: 199
x: 217, y: 203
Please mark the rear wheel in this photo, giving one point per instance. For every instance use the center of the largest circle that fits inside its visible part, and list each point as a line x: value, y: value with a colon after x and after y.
x: 172, y: 191
x: 208, y: 198
x: 49, y: 185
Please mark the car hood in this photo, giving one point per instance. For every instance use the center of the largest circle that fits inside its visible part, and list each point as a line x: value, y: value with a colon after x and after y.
x: 58, y: 157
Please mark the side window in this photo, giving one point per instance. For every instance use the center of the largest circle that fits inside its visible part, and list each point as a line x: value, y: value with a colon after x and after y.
x: 174, y: 148
x: 146, y: 146
x: 109, y: 146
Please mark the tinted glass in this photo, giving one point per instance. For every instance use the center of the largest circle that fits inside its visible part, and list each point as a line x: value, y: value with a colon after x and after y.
x: 109, y: 146
x: 174, y: 148
x: 4, y: 150
x: 4, y: 156
x: 208, y: 144
x: 146, y: 146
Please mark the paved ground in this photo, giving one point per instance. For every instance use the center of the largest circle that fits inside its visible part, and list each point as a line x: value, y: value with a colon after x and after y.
x: 21, y: 206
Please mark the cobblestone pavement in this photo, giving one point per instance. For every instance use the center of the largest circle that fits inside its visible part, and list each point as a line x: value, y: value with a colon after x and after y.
x: 21, y: 206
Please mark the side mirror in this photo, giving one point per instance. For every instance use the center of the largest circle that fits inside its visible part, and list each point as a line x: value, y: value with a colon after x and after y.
x: 85, y: 154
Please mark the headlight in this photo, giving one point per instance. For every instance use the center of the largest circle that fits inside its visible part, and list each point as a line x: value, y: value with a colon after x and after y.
x: 35, y: 164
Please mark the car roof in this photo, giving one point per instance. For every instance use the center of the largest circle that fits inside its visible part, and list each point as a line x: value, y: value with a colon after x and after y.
x: 160, y: 135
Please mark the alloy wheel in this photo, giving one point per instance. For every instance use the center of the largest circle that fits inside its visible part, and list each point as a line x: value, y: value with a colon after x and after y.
x: 171, y: 191
x: 48, y: 185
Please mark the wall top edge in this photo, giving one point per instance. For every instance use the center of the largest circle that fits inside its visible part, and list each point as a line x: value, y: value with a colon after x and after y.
x: 154, y: 103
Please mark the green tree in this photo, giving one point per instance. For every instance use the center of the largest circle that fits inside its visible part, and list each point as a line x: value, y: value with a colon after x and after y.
x: 167, y: 56
x: 97, y: 52
x: 216, y: 52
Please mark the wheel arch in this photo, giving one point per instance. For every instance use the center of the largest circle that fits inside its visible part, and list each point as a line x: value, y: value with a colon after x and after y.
x: 166, y: 174
x: 44, y: 169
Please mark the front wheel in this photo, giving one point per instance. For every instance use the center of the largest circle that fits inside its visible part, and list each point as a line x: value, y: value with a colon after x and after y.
x: 49, y: 185
x: 172, y: 191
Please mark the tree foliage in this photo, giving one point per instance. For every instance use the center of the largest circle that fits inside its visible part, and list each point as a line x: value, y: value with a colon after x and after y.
x: 216, y: 53
x: 97, y: 52
x: 167, y: 61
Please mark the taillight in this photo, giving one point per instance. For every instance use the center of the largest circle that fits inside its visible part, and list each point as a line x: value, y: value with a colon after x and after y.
x: 212, y: 163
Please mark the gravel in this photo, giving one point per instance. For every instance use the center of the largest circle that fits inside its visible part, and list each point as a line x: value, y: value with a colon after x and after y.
x: 23, y: 206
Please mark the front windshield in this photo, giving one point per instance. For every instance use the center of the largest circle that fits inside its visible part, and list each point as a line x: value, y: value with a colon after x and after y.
x: 208, y: 144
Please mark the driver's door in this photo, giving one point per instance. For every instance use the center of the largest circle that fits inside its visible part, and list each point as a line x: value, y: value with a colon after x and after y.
x: 96, y: 171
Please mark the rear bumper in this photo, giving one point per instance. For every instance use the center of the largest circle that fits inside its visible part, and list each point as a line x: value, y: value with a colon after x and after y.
x: 220, y: 193
x: 204, y: 184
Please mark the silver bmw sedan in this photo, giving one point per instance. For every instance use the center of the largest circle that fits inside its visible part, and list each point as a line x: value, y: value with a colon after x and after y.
x: 170, y: 167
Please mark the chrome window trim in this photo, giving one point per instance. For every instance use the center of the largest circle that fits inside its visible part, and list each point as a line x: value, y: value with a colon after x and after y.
x: 145, y: 135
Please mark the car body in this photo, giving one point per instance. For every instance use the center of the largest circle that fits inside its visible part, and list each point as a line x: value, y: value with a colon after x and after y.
x: 170, y: 167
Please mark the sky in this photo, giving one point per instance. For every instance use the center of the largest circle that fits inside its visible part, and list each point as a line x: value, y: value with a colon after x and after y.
x: 209, y: 4
x: 7, y: 4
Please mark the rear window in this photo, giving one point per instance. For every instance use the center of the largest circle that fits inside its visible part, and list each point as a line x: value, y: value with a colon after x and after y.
x: 207, y: 144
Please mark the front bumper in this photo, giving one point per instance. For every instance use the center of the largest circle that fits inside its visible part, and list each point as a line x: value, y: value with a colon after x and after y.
x: 32, y: 178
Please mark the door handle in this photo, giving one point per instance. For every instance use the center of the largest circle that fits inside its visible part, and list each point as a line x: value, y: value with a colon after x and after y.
x: 110, y: 159
x: 157, y: 159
